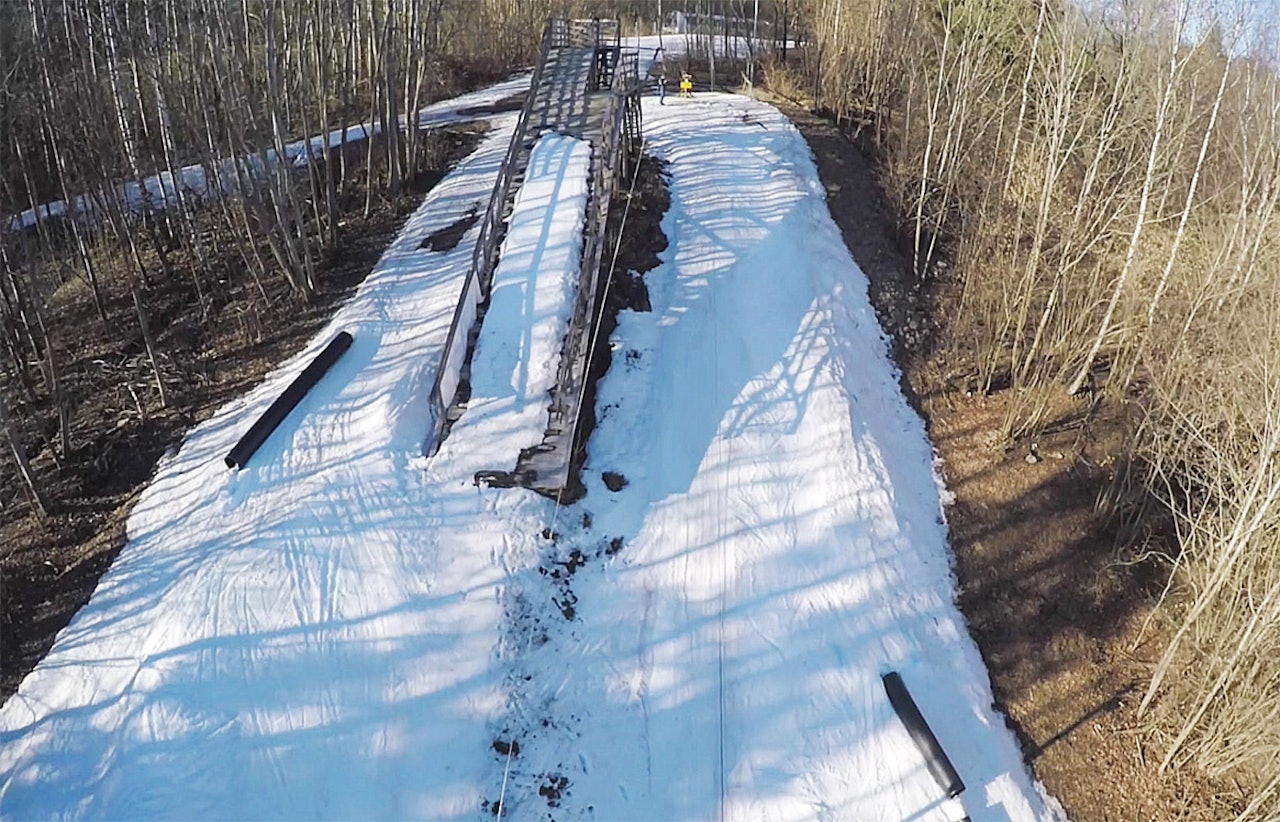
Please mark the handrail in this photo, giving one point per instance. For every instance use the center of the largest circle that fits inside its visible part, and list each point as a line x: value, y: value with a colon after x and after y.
x: 571, y: 372
x: 483, y: 257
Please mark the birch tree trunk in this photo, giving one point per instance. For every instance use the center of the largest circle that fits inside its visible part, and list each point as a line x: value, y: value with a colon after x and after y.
x: 1182, y: 225
x: 1131, y: 254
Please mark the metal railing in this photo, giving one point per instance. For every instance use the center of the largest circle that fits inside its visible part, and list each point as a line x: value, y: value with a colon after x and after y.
x: 483, y: 259
x: 618, y: 71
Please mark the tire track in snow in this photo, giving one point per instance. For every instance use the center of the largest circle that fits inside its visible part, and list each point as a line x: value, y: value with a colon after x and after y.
x: 718, y: 513
x: 644, y: 661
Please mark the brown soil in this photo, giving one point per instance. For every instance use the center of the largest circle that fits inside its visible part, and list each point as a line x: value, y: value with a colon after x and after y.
x: 209, y: 355
x: 447, y: 238
x: 633, y: 241
x: 1057, y: 615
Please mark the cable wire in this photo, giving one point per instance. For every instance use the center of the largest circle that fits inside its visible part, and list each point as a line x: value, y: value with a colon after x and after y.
x: 721, y: 504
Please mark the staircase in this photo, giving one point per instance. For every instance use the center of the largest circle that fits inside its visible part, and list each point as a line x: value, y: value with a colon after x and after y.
x: 586, y: 86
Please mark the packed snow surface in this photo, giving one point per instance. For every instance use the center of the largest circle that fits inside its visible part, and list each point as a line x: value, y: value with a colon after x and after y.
x: 782, y: 540
x: 346, y: 630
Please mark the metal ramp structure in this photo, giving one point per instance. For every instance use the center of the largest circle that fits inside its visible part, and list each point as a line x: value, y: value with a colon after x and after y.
x: 587, y: 86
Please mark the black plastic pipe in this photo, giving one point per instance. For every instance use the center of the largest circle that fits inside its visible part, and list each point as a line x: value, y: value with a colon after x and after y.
x: 286, y: 402
x: 944, y: 773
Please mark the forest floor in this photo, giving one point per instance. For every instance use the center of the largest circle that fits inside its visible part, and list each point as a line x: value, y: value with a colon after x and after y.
x: 210, y: 354
x: 1064, y: 623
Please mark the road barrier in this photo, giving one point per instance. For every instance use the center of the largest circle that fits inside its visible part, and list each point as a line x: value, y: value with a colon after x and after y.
x: 286, y: 402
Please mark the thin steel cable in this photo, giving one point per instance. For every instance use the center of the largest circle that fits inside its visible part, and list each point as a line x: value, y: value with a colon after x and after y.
x: 613, y: 263
x: 721, y: 502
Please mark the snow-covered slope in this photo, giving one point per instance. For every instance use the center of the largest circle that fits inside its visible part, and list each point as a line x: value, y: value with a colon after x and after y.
x: 782, y: 536
x: 312, y: 636
x: 346, y: 630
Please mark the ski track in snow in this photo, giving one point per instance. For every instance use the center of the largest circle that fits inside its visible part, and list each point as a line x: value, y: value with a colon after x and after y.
x: 157, y: 190
x: 343, y: 629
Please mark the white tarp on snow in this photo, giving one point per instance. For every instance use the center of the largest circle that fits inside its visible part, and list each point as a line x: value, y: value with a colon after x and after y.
x: 310, y: 637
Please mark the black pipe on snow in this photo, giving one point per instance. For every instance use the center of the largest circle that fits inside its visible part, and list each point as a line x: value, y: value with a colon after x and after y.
x: 944, y: 773
x: 286, y: 402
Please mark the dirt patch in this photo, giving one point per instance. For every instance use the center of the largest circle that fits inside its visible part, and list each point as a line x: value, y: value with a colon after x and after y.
x: 552, y: 788
x: 504, y: 748
x: 1054, y: 607
x: 209, y: 354
x: 634, y: 231
x: 1056, y: 610
x: 447, y: 238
